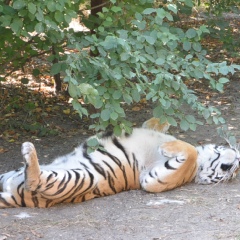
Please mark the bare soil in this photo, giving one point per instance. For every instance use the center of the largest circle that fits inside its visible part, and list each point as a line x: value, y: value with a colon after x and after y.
x: 190, y: 212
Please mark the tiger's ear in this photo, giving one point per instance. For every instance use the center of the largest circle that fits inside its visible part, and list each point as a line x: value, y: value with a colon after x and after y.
x: 154, y: 123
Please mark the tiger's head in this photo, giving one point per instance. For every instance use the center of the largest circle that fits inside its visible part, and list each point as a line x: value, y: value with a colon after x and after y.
x: 216, y: 164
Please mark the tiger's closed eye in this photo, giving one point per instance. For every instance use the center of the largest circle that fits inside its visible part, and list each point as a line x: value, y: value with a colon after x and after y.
x: 226, y: 167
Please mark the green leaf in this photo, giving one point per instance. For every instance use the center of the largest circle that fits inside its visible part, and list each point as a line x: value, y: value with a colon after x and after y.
x: 39, y: 28
x: 117, y: 130
x: 161, y: 13
x: 135, y: 95
x: 172, y: 7
x: 138, y: 16
x: 59, y: 16
x: 150, y: 40
x: 18, y: 4
x: 191, y: 33
x: 73, y: 91
x: 193, y: 127
x: 190, y: 118
x: 56, y: 68
x: 124, y: 56
x: 36, y: 72
x: 150, y: 49
x: 117, y: 94
x: 25, y: 80
x: 39, y: 15
x: 184, y: 125
x: 189, y: 3
x: 223, y: 80
x: 17, y: 25
x: 187, y: 45
x: 32, y: 8
x: 197, y: 46
x: 206, y: 113
x: 105, y: 114
x: 116, y: 9
x: 219, y: 87
x: 148, y: 11
x: 92, y: 142
x: 224, y: 70
x: 51, y: 5
x: 160, y: 60
x: 98, y: 103
x: 171, y: 121
x: 113, y: 115
x: 198, y: 73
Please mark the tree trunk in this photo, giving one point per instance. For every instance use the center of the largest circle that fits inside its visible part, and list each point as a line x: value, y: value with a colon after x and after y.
x: 57, y: 77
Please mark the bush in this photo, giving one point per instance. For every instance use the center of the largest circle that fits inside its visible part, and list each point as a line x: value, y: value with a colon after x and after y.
x: 143, y: 56
x: 136, y: 52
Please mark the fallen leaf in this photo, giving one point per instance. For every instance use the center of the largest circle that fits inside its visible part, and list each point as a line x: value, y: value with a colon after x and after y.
x: 3, y: 150
x: 136, y: 109
x: 38, y: 109
x: 67, y: 111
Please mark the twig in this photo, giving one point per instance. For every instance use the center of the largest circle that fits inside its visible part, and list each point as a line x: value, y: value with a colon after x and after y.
x: 100, y: 5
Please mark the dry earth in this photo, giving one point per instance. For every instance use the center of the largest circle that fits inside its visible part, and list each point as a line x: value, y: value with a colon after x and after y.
x: 190, y: 212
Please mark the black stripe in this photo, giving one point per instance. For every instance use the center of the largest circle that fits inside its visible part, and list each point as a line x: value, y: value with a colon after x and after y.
x: 62, y: 181
x: 167, y: 165
x: 164, y: 183
x: 23, y: 204
x: 35, y: 199
x: 111, y: 183
x: 120, y: 146
x: 218, y: 156
x: 3, y: 200
x: 77, y: 177
x: 50, y: 185
x: 110, y: 168
x: 96, y: 166
x: 115, y: 159
x: 19, y: 186
x: 49, y: 177
x: 91, y: 181
x: 65, y: 184
x: 135, y: 166
x: 25, y: 171
x: 48, y: 202
x: 14, y: 199
x: 96, y: 192
x: 150, y: 174
x: 78, y: 187
x: 118, y: 162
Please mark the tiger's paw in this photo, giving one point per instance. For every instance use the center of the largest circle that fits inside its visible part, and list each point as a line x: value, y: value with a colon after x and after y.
x: 172, y: 155
x: 154, y: 124
x: 29, y: 152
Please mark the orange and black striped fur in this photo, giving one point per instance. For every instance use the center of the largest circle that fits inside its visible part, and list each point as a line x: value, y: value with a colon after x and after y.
x: 145, y: 159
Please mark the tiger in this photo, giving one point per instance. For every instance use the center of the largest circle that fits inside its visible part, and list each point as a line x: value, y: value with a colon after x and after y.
x: 145, y: 159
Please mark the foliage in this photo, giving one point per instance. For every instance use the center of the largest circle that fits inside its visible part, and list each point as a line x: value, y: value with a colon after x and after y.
x: 30, y: 28
x: 218, y: 26
x: 138, y: 53
x: 219, y: 6
x: 142, y: 56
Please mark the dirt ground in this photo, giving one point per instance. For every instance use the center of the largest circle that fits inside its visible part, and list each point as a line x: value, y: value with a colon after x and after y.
x: 190, y: 212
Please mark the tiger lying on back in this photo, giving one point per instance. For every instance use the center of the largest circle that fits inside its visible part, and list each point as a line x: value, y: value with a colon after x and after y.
x: 145, y: 159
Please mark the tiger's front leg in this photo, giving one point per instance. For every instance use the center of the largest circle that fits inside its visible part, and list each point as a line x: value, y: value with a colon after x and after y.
x: 176, y: 166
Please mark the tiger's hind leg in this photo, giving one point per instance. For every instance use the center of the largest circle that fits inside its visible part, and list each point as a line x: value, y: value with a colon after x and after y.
x: 177, y: 164
x: 32, y: 168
